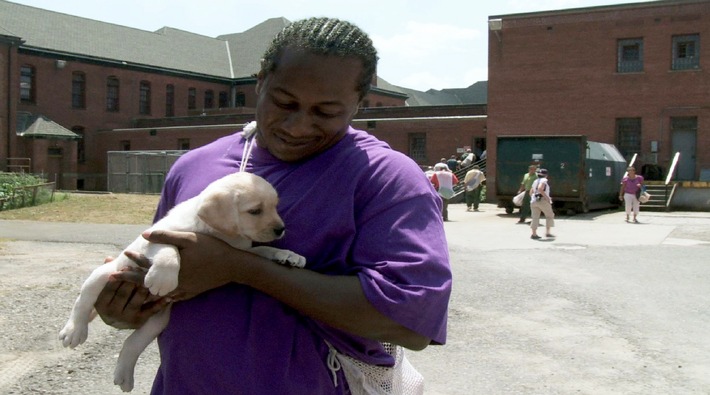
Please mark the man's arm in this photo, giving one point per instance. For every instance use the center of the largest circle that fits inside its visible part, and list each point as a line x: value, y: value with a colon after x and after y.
x: 338, y: 301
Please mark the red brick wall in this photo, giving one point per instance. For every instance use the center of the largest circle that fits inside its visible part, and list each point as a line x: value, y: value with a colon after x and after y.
x: 555, y: 73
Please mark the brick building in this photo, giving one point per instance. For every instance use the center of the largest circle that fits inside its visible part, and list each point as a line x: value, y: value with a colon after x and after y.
x: 73, y: 89
x: 635, y: 75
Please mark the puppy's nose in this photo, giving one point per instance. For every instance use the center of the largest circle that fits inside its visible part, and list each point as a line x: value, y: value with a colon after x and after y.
x: 279, y: 231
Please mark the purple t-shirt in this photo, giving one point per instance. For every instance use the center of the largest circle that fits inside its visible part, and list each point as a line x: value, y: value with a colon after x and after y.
x: 631, y: 184
x: 359, y: 208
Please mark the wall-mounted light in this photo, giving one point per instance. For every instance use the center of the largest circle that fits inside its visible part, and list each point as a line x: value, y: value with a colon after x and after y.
x: 60, y: 64
x: 495, y: 25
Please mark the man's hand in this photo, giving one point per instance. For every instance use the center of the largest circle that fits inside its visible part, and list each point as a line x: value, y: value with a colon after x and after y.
x: 124, y: 303
x: 205, y: 261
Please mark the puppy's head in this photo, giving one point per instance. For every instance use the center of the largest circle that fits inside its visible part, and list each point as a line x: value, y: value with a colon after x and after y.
x: 242, y: 204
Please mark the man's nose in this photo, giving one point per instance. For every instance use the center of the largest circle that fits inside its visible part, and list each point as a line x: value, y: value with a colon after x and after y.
x: 298, y: 124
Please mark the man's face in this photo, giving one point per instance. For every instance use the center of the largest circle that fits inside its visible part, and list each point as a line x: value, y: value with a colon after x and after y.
x: 305, y: 106
x: 531, y: 170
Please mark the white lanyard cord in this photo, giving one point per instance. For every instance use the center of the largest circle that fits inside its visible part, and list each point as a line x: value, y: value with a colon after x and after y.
x: 249, y: 132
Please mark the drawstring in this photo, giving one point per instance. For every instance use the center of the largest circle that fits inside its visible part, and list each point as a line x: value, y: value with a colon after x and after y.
x: 333, y: 362
x: 249, y: 132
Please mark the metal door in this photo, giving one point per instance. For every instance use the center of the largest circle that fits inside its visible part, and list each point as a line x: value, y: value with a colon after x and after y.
x: 683, y: 140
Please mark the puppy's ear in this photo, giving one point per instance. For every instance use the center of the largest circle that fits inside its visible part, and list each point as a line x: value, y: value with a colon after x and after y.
x: 218, y: 209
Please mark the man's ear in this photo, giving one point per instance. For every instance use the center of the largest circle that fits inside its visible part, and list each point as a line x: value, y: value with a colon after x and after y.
x: 259, y: 82
x: 218, y: 209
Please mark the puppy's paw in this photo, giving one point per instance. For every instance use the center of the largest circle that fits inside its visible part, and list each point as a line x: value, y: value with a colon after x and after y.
x: 161, y: 280
x: 73, y: 334
x: 286, y: 257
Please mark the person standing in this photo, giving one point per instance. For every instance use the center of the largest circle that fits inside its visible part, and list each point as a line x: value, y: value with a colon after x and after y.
x: 525, y: 185
x: 631, y: 187
x: 452, y: 163
x: 242, y: 324
x: 444, y: 181
x: 541, y: 202
x: 467, y: 158
x: 473, y: 181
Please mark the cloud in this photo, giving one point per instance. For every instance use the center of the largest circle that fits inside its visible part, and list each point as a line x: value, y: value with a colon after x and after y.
x: 438, y: 52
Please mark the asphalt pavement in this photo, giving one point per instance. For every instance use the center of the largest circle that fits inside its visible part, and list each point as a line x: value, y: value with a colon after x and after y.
x: 605, y: 307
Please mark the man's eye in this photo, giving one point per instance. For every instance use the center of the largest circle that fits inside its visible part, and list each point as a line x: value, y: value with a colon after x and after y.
x: 285, y: 105
x: 256, y: 211
x: 326, y: 114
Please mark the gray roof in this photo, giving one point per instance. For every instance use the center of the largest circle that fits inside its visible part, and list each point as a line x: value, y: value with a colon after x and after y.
x: 166, y: 48
x: 39, y: 126
x: 250, y: 42
x: 474, y: 94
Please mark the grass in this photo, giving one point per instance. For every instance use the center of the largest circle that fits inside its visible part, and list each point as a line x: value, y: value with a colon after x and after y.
x: 91, y: 208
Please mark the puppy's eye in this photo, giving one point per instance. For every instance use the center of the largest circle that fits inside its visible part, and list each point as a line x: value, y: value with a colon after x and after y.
x: 256, y: 211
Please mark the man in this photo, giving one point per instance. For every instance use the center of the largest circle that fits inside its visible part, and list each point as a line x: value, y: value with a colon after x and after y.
x: 525, y: 185
x: 467, y: 158
x: 452, y: 163
x: 248, y: 325
x: 541, y: 203
x: 444, y: 180
x: 474, y: 184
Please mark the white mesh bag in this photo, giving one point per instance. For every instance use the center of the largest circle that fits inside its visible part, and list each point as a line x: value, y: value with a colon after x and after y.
x: 366, y: 379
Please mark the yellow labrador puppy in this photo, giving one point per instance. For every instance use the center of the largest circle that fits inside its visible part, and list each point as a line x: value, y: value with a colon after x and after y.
x: 238, y: 209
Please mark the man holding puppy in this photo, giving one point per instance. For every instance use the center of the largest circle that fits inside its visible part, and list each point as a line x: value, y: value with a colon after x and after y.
x: 377, y: 264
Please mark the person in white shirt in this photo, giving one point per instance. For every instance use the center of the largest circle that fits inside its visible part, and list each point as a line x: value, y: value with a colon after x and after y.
x: 541, y: 202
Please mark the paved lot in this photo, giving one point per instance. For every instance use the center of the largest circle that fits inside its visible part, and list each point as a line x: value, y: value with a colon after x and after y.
x: 604, y: 308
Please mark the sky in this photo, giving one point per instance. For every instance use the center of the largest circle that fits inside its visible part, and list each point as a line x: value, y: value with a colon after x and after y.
x: 422, y: 44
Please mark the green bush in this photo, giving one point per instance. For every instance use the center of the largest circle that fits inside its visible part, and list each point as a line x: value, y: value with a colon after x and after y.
x: 14, y: 196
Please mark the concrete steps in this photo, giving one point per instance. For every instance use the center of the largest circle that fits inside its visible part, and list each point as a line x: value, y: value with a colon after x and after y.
x: 660, y: 193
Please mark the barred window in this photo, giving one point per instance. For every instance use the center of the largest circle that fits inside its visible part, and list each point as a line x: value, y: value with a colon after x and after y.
x: 209, y: 98
x: 112, y: 94
x: 170, y: 100
x: 80, y: 144
x: 417, y: 146
x: 144, y: 103
x: 191, y: 99
x: 78, y: 90
x: 630, y: 55
x: 241, y: 99
x: 686, y: 52
x: 628, y: 136
x: 27, y: 84
x: 223, y: 99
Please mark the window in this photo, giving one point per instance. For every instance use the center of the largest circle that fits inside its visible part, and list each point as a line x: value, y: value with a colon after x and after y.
x: 241, y: 99
x: 144, y: 101
x: 170, y: 100
x: 630, y: 55
x: 27, y: 84
x: 209, y: 98
x: 80, y: 144
x: 417, y: 146
x: 191, y: 99
x: 686, y: 52
x: 78, y: 90
x: 183, y: 144
x: 628, y: 136
x: 112, y: 94
x: 223, y: 99
x: 125, y: 145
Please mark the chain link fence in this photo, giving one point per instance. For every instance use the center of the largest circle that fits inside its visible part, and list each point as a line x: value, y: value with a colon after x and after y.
x: 139, y: 171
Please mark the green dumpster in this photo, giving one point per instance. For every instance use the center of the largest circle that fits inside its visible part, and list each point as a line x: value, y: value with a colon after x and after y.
x: 584, y: 175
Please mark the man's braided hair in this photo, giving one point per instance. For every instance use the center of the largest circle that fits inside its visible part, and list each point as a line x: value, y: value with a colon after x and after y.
x: 325, y: 36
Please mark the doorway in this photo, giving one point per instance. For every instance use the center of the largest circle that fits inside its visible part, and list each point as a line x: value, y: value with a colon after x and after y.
x: 684, y: 139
